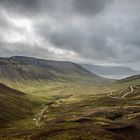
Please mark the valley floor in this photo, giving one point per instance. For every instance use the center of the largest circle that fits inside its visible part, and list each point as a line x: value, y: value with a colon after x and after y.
x: 81, y: 112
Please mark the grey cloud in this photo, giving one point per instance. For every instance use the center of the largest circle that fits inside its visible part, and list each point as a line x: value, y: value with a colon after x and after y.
x: 35, y: 8
x: 55, y: 7
x: 14, y: 49
x: 98, y: 30
x: 90, y: 7
x: 7, y: 27
x: 23, y: 7
x: 86, y: 46
x: 4, y: 23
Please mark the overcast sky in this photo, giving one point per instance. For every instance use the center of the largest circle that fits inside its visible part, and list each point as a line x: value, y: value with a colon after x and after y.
x: 105, y: 32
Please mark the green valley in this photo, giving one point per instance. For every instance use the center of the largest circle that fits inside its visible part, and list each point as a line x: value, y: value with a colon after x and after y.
x: 53, y: 100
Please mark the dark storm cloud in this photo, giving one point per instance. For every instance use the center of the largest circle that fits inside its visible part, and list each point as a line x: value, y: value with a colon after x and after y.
x: 55, y: 7
x: 23, y: 7
x: 88, y: 46
x: 90, y: 7
x: 96, y: 30
x: 35, y: 8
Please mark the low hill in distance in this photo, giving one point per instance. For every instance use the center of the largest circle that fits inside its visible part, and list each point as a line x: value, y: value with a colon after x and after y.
x: 131, y: 79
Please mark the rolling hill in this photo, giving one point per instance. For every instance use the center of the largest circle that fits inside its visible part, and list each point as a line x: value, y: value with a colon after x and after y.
x: 96, y: 117
x: 14, y: 105
x: 132, y: 79
x: 72, y: 111
x: 19, y: 70
x: 129, y: 81
x: 110, y: 71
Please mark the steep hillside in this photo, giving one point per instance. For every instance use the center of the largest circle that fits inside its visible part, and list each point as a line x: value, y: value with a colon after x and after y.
x: 53, y: 67
x: 11, y: 69
x: 27, y: 70
x: 13, y: 105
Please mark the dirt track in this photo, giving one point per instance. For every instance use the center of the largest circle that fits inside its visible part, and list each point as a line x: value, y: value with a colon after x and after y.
x: 126, y: 94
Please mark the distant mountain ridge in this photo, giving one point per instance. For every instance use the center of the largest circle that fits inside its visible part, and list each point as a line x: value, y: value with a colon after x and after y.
x: 59, y: 66
x: 109, y: 70
x: 27, y: 69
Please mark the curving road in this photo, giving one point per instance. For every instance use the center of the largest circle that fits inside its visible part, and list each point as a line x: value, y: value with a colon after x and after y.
x: 126, y: 94
x: 43, y: 111
x: 110, y: 96
x: 41, y: 115
x: 132, y: 90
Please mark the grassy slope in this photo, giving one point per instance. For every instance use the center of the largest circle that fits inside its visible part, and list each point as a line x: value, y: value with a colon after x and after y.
x: 133, y: 80
x: 85, y: 112
x: 93, y: 116
x: 81, y: 110
x: 129, y: 81
x: 14, y: 106
x: 28, y: 74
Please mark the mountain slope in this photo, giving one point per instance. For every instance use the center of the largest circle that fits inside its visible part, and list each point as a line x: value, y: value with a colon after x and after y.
x: 27, y: 70
x: 13, y: 105
x: 53, y: 67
